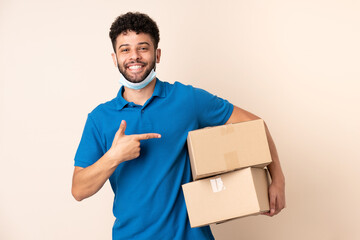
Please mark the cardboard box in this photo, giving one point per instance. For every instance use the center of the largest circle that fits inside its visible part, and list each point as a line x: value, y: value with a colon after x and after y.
x: 228, y: 147
x: 227, y: 196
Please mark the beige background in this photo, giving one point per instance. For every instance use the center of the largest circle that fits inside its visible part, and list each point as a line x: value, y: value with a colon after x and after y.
x: 294, y: 63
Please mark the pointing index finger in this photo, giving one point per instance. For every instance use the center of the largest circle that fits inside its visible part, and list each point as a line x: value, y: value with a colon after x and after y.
x: 146, y: 136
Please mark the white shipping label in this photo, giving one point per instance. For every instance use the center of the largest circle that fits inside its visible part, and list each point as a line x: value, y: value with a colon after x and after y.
x: 217, y: 185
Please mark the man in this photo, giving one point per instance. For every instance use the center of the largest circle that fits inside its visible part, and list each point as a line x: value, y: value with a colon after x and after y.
x: 146, y: 158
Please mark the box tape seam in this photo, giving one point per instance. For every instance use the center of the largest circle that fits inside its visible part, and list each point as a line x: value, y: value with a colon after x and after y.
x: 231, y: 160
x: 227, y: 129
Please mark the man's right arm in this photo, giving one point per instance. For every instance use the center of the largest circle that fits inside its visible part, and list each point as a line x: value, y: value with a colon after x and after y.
x: 88, y: 181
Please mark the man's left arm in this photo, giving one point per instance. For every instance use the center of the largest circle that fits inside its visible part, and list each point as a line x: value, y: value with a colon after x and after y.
x: 277, y: 186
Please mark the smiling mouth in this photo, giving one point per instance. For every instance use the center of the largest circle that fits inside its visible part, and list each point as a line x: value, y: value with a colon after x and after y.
x: 135, y: 67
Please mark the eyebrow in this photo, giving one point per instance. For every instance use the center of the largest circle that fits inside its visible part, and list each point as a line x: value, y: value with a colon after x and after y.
x: 140, y: 43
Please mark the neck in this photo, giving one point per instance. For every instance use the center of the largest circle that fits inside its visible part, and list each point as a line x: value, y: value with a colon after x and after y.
x: 140, y: 96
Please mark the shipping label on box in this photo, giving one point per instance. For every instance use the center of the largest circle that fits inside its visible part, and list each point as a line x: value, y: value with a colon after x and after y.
x: 227, y: 196
x: 221, y: 149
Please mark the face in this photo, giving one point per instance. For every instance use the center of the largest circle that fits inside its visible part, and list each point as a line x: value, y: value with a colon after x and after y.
x: 136, y: 55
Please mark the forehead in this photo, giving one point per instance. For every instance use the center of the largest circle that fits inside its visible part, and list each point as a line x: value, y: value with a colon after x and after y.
x: 133, y: 38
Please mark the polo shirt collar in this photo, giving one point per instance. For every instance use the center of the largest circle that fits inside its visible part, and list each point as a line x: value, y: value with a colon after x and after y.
x: 159, y: 91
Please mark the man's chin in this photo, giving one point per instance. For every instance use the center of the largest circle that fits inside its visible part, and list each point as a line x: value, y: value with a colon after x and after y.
x: 134, y: 80
x: 134, y: 77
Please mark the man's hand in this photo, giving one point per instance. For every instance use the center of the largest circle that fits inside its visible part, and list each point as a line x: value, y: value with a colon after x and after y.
x: 127, y: 147
x: 276, y: 198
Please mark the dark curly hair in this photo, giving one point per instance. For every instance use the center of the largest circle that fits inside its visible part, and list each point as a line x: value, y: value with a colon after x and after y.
x: 137, y: 22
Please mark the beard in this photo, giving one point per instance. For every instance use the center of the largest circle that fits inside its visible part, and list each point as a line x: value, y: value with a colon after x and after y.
x: 137, y: 79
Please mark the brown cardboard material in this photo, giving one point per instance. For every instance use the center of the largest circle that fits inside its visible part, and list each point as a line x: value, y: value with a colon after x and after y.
x: 221, y: 149
x: 227, y: 196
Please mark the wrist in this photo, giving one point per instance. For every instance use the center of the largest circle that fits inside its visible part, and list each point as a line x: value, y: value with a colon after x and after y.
x: 276, y: 174
x: 278, y: 180
x: 111, y: 157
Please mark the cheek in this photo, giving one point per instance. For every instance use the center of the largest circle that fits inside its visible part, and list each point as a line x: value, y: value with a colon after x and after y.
x: 121, y: 61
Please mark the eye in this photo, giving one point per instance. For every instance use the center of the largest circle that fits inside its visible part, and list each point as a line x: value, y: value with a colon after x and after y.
x: 143, y: 48
x: 124, y: 50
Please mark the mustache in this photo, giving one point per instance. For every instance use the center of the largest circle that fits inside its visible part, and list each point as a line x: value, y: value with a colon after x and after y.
x: 137, y: 61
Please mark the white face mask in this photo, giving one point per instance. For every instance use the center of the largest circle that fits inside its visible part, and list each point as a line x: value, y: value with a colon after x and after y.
x: 140, y: 85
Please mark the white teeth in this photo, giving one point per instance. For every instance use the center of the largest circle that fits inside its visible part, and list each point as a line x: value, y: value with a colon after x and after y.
x: 134, y: 67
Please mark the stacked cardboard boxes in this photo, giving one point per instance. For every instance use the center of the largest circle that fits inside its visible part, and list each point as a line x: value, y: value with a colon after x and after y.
x: 227, y: 164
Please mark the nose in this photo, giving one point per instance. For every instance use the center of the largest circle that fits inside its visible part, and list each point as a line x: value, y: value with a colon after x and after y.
x: 135, y: 55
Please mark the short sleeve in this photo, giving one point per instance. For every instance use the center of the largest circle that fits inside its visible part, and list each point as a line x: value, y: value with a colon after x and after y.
x: 90, y: 148
x: 210, y: 109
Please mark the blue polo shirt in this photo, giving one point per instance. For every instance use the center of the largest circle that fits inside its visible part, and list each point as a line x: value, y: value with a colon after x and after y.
x: 149, y: 203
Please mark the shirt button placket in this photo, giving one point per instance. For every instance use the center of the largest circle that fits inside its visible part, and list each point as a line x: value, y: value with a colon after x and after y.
x: 145, y: 121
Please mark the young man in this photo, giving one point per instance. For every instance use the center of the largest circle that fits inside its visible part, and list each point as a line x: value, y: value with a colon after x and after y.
x: 146, y: 158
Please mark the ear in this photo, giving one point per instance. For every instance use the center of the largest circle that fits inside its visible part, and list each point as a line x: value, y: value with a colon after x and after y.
x: 114, y: 59
x: 158, y: 55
